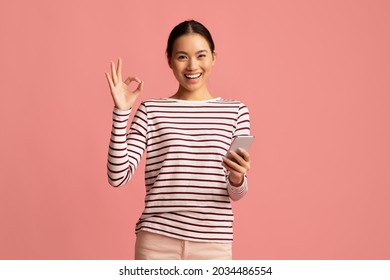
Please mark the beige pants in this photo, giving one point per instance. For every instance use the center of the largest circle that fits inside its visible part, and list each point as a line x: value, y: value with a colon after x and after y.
x: 151, y: 246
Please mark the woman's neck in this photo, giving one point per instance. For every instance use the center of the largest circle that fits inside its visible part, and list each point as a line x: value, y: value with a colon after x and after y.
x: 183, y: 94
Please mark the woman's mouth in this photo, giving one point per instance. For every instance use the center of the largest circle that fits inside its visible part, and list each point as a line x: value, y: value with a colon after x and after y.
x: 192, y: 76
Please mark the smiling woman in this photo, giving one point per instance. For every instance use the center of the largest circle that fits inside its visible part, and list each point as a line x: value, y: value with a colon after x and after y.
x: 191, y: 56
x: 191, y: 63
x: 189, y: 181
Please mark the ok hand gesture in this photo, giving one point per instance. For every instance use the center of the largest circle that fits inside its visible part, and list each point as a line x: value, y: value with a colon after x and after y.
x: 124, y: 99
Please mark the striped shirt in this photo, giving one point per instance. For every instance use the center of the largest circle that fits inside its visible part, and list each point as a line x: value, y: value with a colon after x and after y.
x: 187, y: 190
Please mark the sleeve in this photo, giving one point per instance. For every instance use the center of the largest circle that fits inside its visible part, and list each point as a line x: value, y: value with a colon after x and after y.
x: 126, y: 149
x: 242, y: 128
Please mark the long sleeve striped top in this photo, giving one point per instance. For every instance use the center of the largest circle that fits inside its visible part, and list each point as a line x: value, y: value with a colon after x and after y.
x: 187, y: 190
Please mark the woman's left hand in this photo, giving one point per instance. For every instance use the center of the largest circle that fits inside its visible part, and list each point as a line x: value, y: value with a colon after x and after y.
x: 238, y: 169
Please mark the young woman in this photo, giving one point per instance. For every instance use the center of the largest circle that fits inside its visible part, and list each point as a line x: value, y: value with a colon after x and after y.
x: 189, y: 181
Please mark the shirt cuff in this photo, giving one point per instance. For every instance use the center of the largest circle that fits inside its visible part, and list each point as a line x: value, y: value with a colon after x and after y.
x: 239, y: 192
x: 121, y: 112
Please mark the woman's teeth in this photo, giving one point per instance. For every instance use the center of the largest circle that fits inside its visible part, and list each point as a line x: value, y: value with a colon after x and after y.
x: 193, y: 76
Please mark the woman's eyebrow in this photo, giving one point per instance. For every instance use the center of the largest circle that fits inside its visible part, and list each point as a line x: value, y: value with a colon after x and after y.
x: 183, y: 52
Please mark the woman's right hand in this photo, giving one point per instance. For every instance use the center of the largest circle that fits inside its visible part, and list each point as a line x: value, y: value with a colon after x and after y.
x: 124, y: 99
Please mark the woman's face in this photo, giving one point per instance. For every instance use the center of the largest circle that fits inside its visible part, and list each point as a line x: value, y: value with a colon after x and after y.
x: 192, y: 62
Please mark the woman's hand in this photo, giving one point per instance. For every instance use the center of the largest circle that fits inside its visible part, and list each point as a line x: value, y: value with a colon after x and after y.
x: 124, y: 99
x: 238, y: 169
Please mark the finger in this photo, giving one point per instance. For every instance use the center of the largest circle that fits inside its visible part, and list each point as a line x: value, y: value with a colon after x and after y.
x: 233, y: 166
x: 227, y: 167
x: 113, y: 73
x: 110, y: 83
x: 245, y: 155
x: 131, y: 79
x: 140, y: 87
x: 237, y: 157
x: 233, y: 172
x: 135, y: 79
x: 238, y: 164
x: 119, y: 70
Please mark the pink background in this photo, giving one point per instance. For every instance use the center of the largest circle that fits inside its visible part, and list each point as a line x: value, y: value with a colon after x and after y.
x: 314, y: 74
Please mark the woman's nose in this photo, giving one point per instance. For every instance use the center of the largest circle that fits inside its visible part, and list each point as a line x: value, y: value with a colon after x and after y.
x: 192, y: 64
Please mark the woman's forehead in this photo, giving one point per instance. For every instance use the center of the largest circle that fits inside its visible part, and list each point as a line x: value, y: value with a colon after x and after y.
x: 191, y: 43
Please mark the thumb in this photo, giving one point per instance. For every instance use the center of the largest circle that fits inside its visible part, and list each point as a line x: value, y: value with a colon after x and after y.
x: 140, y: 86
x: 130, y: 79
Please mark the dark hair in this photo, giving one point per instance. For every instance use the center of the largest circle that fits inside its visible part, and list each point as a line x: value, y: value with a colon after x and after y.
x: 188, y: 27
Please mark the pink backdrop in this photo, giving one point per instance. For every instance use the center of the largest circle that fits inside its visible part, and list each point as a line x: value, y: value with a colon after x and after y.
x: 315, y: 75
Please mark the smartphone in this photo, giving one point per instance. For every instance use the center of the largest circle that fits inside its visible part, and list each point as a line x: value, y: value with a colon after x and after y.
x: 240, y: 142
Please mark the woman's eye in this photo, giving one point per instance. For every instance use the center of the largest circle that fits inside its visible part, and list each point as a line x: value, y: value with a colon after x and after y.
x: 182, y: 57
x: 202, y: 55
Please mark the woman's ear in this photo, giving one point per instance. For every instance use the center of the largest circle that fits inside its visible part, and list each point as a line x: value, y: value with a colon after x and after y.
x: 214, y: 56
x: 169, y: 62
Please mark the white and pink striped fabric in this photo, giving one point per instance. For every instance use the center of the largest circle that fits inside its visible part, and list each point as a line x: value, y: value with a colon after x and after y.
x: 187, y: 191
